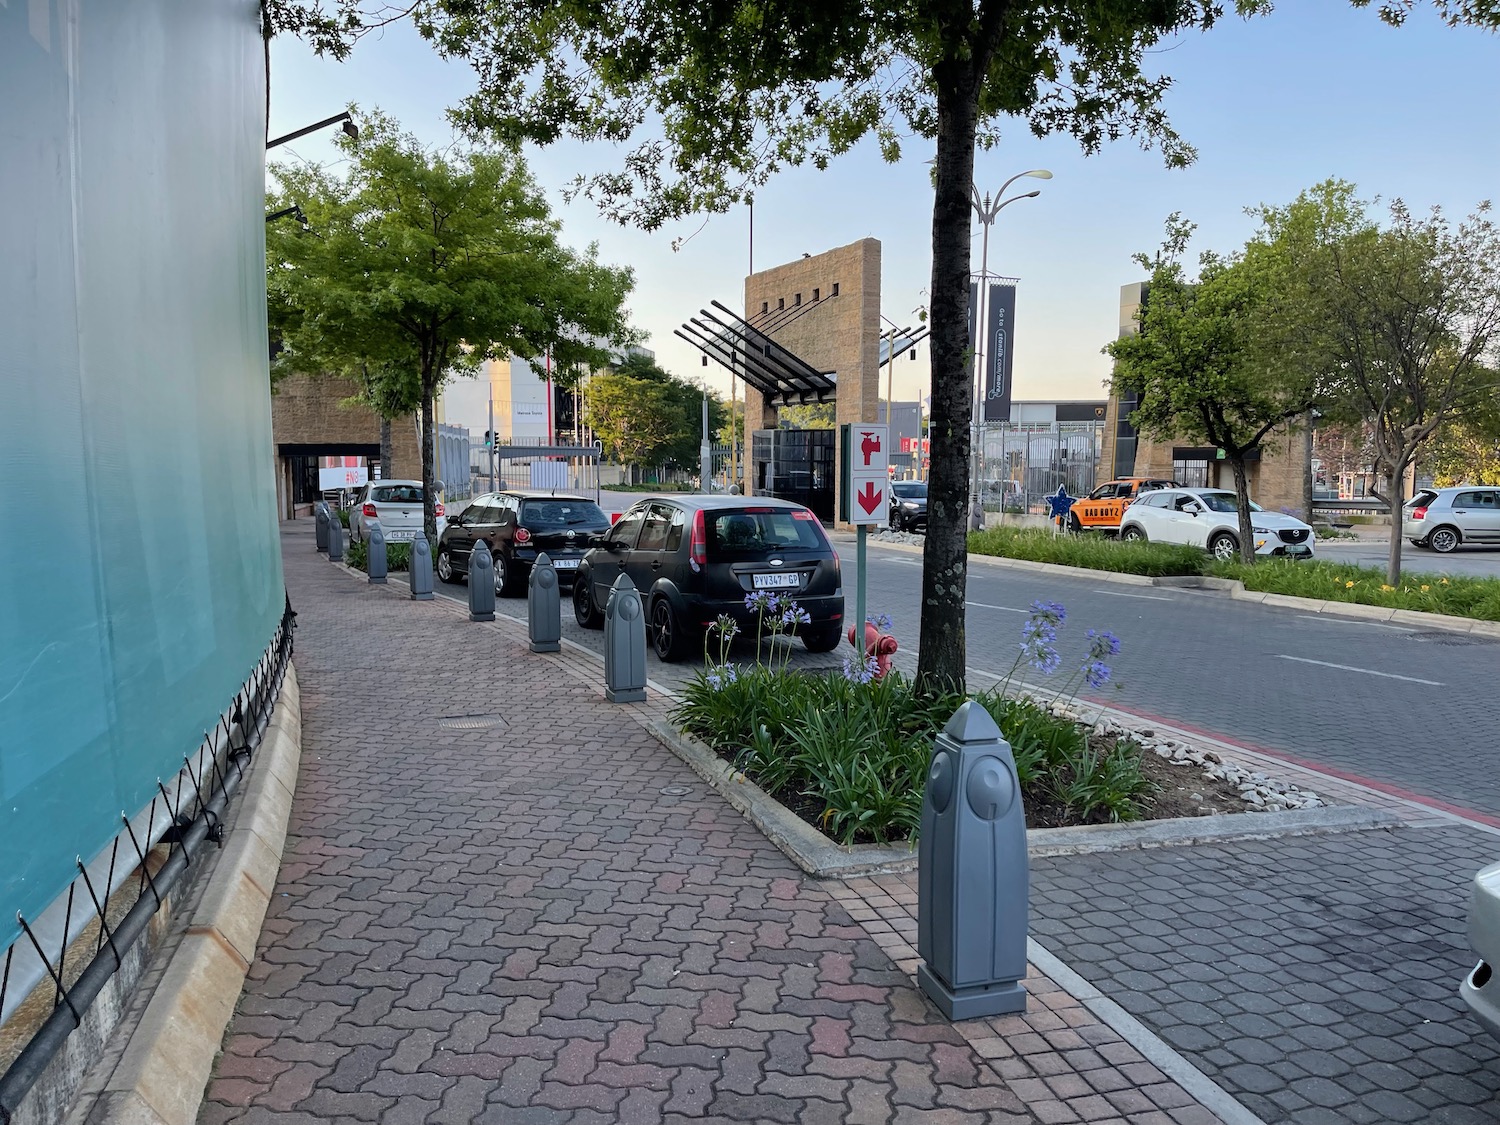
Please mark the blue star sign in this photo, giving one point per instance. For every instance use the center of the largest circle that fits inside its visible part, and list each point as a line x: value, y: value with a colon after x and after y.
x: 1060, y: 502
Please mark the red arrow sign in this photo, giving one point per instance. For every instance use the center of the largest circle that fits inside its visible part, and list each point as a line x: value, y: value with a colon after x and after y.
x: 870, y: 498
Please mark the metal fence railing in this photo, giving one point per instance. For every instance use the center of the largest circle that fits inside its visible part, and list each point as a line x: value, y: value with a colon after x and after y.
x: 1023, y: 463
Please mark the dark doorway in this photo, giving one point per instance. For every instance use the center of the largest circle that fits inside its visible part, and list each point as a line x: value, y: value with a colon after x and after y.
x: 796, y: 465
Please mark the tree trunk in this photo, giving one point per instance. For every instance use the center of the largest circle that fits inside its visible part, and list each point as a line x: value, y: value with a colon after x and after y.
x: 942, y: 646
x: 1395, y: 498
x: 429, y: 464
x: 1242, y: 504
x: 385, y: 447
x: 1307, y: 477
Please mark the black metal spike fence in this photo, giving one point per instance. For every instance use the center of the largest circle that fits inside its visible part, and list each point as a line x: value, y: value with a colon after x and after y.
x: 183, y: 816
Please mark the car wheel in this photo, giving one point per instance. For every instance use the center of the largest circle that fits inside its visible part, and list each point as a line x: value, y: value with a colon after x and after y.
x: 1075, y: 525
x: 445, y: 566
x: 1133, y: 534
x: 1444, y: 540
x: 667, y: 635
x: 505, y: 578
x: 822, y: 639
x: 585, y: 612
x: 1224, y: 546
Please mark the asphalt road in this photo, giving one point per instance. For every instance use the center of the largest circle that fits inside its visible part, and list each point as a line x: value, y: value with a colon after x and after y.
x: 1477, y: 562
x: 1405, y: 707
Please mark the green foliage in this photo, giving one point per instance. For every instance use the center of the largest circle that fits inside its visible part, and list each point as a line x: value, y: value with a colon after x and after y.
x: 1467, y: 449
x: 854, y: 757
x: 1455, y: 595
x: 344, y: 518
x: 1095, y: 552
x: 813, y: 416
x: 645, y: 416
x: 397, y: 556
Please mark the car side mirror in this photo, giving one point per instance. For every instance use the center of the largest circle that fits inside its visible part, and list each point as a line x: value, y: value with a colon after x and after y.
x: 1192, y: 509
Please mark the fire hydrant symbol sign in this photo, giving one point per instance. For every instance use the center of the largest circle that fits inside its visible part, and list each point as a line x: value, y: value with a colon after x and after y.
x: 868, y: 477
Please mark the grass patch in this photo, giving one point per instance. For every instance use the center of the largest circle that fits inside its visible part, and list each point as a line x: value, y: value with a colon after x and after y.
x: 1457, y: 596
x: 647, y: 487
x: 852, y: 758
x: 397, y: 556
x: 1096, y: 552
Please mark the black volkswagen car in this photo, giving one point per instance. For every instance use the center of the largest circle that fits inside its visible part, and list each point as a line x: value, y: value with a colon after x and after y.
x: 518, y: 526
x: 696, y: 557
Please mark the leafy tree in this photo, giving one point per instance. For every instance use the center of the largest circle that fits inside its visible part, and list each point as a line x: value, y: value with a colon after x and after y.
x: 1467, y: 450
x: 645, y: 416
x: 727, y: 93
x: 419, y: 265
x: 810, y: 416
x: 1214, y: 361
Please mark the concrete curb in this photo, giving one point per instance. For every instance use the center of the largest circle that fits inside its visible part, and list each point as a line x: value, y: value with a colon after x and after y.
x: 1236, y: 590
x: 821, y: 858
x: 166, y: 1065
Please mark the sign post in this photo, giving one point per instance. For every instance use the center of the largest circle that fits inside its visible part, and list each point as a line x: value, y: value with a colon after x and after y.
x: 866, y: 458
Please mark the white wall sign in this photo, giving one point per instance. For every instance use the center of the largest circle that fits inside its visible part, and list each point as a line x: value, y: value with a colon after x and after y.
x: 869, y: 475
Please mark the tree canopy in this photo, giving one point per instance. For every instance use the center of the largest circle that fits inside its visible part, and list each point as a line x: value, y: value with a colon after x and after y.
x: 644, y: 416
x: 419, y: 265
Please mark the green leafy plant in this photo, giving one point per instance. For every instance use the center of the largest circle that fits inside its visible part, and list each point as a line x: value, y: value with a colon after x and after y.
x: 1094, y: 552
x: 1456, y: 595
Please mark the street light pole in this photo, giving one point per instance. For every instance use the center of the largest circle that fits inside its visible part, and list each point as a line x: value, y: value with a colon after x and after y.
x: 986, y: 210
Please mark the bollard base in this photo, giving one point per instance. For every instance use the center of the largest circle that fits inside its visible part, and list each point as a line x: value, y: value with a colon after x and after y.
x: 625, y: 695
x: 377, y: 581
x: 546, y: 646
x: 999, y: 999
x: 481, y: 616
x: 421, y: 597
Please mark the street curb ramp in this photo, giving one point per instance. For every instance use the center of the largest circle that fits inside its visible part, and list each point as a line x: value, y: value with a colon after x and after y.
x: 161, y: 1076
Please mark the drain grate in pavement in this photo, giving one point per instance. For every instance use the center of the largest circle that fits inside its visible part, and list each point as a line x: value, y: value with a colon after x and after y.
x: 471, y: 722
x: 1452, y: 640
x: 674, y: 790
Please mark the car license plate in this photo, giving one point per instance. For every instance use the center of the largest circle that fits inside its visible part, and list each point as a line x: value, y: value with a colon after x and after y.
x: 400, y: 536
x: 564, y: 564
x: 775, y: 581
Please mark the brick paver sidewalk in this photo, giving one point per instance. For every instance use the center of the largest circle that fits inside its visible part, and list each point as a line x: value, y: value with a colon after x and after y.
x: 549, y: 920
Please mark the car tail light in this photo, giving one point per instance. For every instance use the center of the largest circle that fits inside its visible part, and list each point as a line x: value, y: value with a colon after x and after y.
x: 1419, y: 513
x: 523, y: 535
x: 368, y: 511
x: 437, y: 509
x: 698, y: 544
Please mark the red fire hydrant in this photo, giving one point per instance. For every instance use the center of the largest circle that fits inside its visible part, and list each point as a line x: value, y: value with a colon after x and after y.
x: 882, y: 646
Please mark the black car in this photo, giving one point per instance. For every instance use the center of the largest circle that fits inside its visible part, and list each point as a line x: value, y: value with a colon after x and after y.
x: 908, y: 505
x: 518, y: 526
x: 694, y: 558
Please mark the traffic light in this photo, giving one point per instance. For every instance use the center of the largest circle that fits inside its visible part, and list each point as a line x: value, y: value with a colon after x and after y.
x: 489, y: 439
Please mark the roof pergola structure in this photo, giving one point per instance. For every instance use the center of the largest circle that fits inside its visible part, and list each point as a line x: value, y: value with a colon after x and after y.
x: 783, y: 377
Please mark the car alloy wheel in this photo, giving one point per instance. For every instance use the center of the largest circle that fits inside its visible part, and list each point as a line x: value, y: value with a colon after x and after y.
x: 444, y: 566
x: 1224, y: 546
x: 1133, y: 534
x: 502, y: 575
x: 664, y: 633
x: 1075, y: 525
x: 1443, y: 540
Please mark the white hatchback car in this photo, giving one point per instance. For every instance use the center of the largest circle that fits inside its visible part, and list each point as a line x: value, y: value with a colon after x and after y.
x: 397, y: 504
x: 1209, y: 518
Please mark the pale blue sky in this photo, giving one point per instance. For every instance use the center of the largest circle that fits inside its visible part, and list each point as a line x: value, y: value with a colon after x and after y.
x: 1273, y: 105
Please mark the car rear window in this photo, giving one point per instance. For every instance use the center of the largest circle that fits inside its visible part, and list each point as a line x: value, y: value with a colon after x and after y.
x: 538, y: 514
x: 749, y: 532
x: 397, y: 494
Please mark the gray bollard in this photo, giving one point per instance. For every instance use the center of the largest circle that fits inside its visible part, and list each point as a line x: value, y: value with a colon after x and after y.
x: 375, y: 564
x: 421, y: 570
x: 972, y: 873
x: 543, y: 607
x: 481, y: 583
x: 624, y: 644
x: 320, y: 521
x: 335, y: 540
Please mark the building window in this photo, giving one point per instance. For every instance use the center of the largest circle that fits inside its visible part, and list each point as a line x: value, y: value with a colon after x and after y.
x: 765, y: 307
x: 797, y: 299
x: 816, y: 294
x: 835, y: 292
x: 780, y: 303
x: 1190, y: 467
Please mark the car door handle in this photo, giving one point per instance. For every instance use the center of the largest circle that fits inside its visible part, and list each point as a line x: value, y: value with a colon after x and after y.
x: 656, y: 565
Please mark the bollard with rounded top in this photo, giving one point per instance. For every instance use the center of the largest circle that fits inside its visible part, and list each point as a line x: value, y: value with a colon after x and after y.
x: 421, y: 569
x: 335, y: 539
x: 624, y: 644
x: 972, y: 873
x: 481, y: 583
x: 320, y: 521
x: 375, y: 564
x: 544, y: 607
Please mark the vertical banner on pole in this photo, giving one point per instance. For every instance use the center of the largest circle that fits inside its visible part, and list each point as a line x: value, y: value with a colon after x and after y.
x: 998, y: 359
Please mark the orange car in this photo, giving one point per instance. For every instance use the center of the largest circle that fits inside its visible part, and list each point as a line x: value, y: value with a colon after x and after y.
x: 1101, y: 509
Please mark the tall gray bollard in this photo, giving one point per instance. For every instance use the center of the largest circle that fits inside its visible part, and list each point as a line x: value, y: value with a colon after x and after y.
x: 421, y: 570
x: 320, y: 522
x: 481, y: 583
x: 624, y: 644
x: 375, y: 564
x: 335, y: 539
x: 543, y: 606
x: 972, y: 873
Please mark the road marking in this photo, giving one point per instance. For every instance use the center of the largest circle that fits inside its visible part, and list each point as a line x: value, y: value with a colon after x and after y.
x: 1002, y: 608
x: 1144, y: 597
x: 1351, y: 668
x: 1332, y: 620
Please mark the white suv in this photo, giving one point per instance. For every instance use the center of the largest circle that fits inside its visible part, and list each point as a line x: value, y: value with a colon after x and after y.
x: 1209, y: 518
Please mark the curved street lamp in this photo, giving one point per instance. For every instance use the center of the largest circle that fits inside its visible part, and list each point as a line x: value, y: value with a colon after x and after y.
x: 987, y: 208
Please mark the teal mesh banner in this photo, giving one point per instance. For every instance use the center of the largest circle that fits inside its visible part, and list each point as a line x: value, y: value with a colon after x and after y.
x: 140, y: 573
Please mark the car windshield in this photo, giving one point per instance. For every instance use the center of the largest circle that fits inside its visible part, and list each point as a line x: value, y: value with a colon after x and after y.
x: 910, y: 490
x: 748, y: 532
x: 1225, y: 502
x: 561, y: 513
